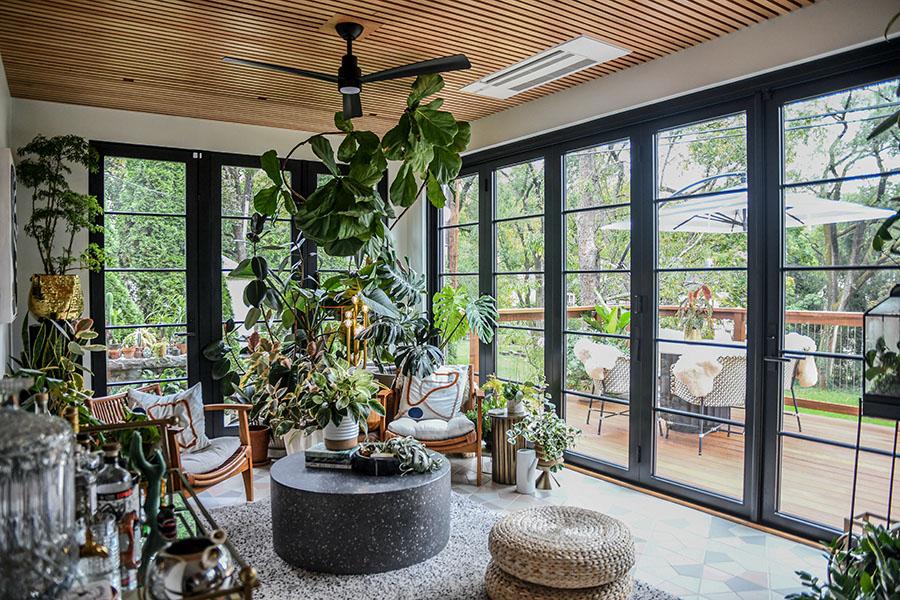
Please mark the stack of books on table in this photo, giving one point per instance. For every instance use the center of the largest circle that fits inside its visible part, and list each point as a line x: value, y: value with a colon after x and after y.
x: 320, y: 457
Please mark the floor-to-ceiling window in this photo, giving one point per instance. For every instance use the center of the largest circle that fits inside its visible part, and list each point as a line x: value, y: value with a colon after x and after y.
x: 709, y: 259
x: 597, y: 278
x: 518, y: 192
x: 836, y: 189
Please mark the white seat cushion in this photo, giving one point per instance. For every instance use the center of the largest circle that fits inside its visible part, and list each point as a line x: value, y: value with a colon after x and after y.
x: 438, y: 396
x: 212, y: 457
x: 432, y: 429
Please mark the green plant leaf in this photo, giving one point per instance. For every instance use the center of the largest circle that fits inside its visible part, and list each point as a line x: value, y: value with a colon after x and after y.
x: 272, y: 166
x: 403, y: 189
x: 435, y: 192
x: 462, y: 138
x: 260, y: 267
x: 379, y: 303
x: 424, y: 86
x: 252, y: 317
x: 437, y: 126
x: 220, y: 368
x: 321, y: 147
x: 341, y: 123
x: 254, y: 293
x: 445, y: 165
x: 396, y: 141
x: 266, y: 201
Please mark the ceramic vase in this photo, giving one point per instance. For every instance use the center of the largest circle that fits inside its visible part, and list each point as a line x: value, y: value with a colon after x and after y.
x: 190, y: 567
x: 526, y: 470
x: 343, y: 436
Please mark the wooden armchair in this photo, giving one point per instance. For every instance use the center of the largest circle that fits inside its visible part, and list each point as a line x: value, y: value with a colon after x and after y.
x: 200, y: 471
x: 468, y: 442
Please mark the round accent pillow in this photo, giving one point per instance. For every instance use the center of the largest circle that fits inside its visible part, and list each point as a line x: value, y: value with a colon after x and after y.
x: 500, y: 585
x: 562, y: 547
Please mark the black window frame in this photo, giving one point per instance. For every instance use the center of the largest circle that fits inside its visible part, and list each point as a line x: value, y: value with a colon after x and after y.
x: 761, y: 97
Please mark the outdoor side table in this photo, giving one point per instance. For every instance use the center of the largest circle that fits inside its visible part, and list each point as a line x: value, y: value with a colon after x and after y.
x: 503, y: 454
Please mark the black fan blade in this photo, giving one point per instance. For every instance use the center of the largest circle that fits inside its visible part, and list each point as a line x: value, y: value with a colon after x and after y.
x: 435, y: 65
x: 352, y: 106
x: 271, y: 67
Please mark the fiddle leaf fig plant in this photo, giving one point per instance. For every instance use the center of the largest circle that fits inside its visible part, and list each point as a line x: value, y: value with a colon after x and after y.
x: 346, y: 215
x: 57, y: 210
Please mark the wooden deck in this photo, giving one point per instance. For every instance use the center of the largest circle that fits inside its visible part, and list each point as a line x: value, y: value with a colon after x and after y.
x: 816, y: 478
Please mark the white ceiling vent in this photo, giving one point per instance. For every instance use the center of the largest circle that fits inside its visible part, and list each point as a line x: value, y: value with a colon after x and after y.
x: 567, y: 58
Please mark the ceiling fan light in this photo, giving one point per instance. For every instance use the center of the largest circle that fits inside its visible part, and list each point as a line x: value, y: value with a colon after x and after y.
x: 350, y: 89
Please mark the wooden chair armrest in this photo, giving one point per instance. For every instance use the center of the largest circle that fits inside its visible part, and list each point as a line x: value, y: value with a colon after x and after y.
x: 385, y: 396
x: 238, y: 407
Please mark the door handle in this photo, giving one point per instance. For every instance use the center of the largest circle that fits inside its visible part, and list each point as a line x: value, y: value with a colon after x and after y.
x: 777, y: 359
x: 184, y: 334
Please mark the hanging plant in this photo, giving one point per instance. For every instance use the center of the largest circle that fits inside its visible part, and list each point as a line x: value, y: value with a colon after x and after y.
x: 347, y: 215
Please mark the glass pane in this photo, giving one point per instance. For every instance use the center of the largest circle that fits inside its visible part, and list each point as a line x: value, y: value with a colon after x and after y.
x: 597, y: 365
x: 145, y: 297
x: 520, y: 298
x: 236, y: 248
x: 704, y: 157
x: 598, y: 239
x: 833, y: 225
x: 239, y: 185
x: 710, y: 231
x: 816, y: 481
x: 519, y: 190
x: 520, y: 354
x: 459, y: 249
x: 610, y: 291
x: 139, y: 354
x: 828, y: 305
x: 604, y: 428
x: 144, y: 242
x: 520, y: 245
x: 685, y: 311
x: 142, y: 185
x: 719, y: 469
x: 464, y: 352
x: 703, y: 380
x: 825, y: 137
x: 462, y: 201
x: 598, y: 176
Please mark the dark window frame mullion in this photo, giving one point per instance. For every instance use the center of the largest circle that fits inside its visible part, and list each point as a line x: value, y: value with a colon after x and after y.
x: 607, y: 207
x: 795, y: 184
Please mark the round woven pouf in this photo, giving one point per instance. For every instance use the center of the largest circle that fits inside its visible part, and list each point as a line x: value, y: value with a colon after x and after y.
x: 562, y: 547
x: 500, y: 585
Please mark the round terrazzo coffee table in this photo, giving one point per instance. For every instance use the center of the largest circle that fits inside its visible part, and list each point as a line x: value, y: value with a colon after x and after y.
x: 337, y: 521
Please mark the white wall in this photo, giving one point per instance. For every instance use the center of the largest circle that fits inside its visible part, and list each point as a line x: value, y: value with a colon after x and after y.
x: 5, y: 123
x: 824, y: 28
x: 49, y: 118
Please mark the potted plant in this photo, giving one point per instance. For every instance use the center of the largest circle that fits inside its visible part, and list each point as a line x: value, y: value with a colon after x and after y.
x: 399, y: 455
x: 58, y: 211
x: 868, y: 570
x: 338, y: 398
x: 551, y: 437
x: 696, y: 312
x: 608, y: 319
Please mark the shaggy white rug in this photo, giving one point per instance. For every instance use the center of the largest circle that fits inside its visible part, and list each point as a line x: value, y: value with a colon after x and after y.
x: 456, y: 573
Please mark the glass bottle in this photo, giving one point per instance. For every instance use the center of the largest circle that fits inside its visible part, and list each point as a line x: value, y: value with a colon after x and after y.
x: 115, y: 496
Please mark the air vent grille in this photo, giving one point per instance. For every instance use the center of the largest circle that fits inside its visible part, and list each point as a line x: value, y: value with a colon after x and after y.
x: 567, y: 58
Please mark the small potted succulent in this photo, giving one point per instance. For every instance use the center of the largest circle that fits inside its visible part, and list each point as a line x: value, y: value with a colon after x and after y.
x: 398, y: 455
x: 551, y: 437
x: 338, y: 398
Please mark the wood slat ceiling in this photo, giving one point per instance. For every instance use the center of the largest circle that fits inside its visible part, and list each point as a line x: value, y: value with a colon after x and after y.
x: 164, y: 56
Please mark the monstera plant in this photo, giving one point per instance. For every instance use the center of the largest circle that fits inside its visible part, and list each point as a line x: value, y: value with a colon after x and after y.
x: 346, y: 215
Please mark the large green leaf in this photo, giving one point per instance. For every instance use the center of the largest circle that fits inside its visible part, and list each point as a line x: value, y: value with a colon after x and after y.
x: 254, y: 293
x: 272, y: 166
x: 462, y: 138
x: 321, y: 147
x: 379, y: 303
x: 435, y: 192
x: 347, y: 148
x: 396, y: 141
x: 424, y: 86
x: 437, y: 126
x: 266, y: 201
x: 403, y: 189
x: 445, y: 165
x: 341, y: 123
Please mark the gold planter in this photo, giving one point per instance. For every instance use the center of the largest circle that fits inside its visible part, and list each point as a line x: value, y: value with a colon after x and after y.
x: 57, y: 297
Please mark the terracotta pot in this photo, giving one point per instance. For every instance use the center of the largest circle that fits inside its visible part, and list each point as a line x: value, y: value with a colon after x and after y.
x: 259, y: 443
x: 57, y: 297
x: 182, y: 348
x: 113, y: 353
x: 128, y: 351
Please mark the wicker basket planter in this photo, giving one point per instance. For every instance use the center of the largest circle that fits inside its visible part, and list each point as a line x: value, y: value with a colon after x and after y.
x: 56, y: 297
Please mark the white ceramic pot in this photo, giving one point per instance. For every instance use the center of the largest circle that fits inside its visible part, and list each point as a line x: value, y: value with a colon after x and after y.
x: 343, y: 436
x: 526, y: 469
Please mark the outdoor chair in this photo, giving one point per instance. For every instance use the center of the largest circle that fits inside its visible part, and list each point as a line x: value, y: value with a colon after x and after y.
x: 616, y: 383
x: 224, y: 458
x: 729, y: 390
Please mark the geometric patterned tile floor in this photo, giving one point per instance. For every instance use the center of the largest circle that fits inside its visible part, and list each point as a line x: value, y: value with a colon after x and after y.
x: 687, y: 552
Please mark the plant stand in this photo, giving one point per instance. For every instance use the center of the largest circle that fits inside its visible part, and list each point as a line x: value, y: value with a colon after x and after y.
x: 503, y: 454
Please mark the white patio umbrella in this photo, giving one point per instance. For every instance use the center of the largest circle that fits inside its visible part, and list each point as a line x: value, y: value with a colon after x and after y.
x: 727, y: 213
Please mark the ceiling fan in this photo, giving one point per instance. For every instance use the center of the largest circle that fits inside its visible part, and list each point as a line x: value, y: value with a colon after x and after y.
x: 349, y: 78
